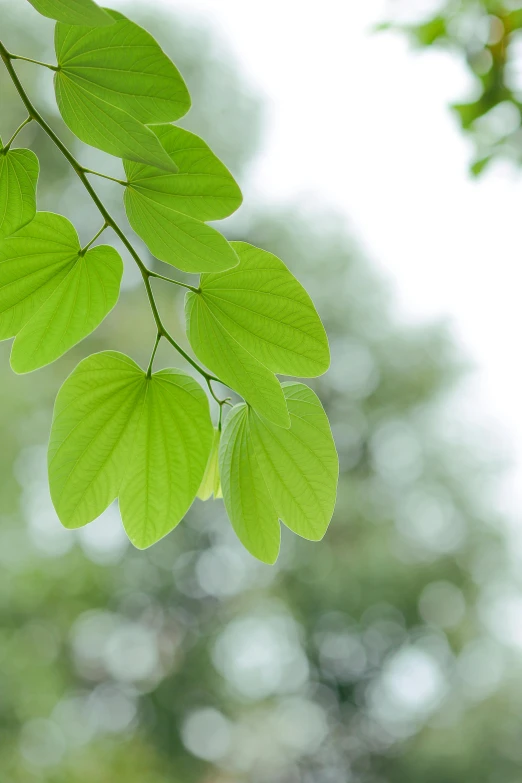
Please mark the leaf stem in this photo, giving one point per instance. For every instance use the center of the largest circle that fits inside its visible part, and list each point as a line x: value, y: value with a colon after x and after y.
x: 171, y: 280
x: 149, y: 369
x: 29, y: 60
x: 105, y: 176
x: 27, y: 120
x: 78, y: 168
x: 95, y: 237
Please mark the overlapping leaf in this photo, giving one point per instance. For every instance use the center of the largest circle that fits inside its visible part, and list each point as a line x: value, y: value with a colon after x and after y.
x: 269, y: 473
x: 18, y: 177
x: 52, y: 296
x: 114, y: 81
x: 77, y: 12
x: 117, y: 432
x: 211, y: 483
x: 167, y: 211
x: 253, y: 321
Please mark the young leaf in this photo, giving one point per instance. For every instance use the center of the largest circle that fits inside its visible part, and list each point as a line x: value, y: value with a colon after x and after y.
x: 234, y: 365
x: 51, y: 296
x: 178, y: 239
x: 117, y: 432
x: 112, y: 82
x: 211, y: 483
x: 203, y: 188
x: 82, y: 12
x: 269, y: 473
x: 18, y: 177
x: 267, y: 311
x: 172, y: 443
x: 246, y: 497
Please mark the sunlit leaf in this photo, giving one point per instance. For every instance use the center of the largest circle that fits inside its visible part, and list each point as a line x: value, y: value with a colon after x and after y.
x: 203, y: 188
x: 18, y: 177
x: 235, y: 366
x: 112, y: 82
x: 269, y: 473
x: 245, y: 493
x: 117, y: 432
x: 211, y: 483
x: 177, y: 239
x: 52, y: 296
x: 77, y: 12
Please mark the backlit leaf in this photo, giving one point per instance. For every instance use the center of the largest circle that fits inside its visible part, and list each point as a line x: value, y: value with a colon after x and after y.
x: 112, y: 82
x: 51, y: 296
x: 246, y: 497
x: 235, y: 366
x: 18, y: 177
x: 78, y: 12
x: 269, y: 473
x: 117, y: 432
x: 267, y: 311
x: 178, y: 239
x: 211, y: 483
x: 203, y: 188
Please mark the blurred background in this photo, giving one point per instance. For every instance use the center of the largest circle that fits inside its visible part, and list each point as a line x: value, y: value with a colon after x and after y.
x: 391, y: 651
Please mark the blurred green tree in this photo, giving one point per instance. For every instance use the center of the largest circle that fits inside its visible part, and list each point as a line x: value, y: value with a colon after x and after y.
x: 377, y: 656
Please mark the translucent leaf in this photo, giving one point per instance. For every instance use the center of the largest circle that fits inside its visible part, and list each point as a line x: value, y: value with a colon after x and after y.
x: 267, y: 311
x: 51, y: 296
x: 235, y: 366
x: 117, y: 432
x: 171, y: 448
x: 18, y: 177
x: 112, y: 82
x: 269, y: 473
x: 246, y: 497
x: 82, y: 12
x: 178, y: 239
x: 203, y: 188
x: 211, y: 483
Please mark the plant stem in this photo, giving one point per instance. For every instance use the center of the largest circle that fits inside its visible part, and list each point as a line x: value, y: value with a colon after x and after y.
x: 171, y: 280
x: 95, y: 237
x: 149, y: 369
x: 105, y: 176
x: 36, y: 62
x: 27, y: 120
x: 78, y: 168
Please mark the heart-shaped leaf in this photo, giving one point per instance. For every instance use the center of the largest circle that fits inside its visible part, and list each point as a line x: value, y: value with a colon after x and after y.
x: 18, y: 177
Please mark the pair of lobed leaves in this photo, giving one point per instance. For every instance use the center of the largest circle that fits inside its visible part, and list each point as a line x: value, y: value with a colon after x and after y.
x: 249, y: 319
x: 150, y: 442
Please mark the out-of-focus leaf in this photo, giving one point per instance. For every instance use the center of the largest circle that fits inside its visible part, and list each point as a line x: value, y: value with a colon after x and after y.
x: 76, y: 12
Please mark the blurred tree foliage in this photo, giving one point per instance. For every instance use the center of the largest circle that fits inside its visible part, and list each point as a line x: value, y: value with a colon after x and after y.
x: 374, y: 656
x: 487, y: 34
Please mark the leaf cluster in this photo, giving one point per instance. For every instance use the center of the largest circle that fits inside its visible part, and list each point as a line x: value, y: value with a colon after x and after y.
x: 119, y: 431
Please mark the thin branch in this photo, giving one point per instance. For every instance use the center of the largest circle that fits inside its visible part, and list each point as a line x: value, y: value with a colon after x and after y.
x: 15, y: 134
x: 78, y: 168
x: 171, y: 280
x: 36, y: 62
x: 105, y: 176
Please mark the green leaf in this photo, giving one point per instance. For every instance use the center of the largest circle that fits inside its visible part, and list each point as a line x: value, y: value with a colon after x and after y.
x: 178, y: 239
x: 171, y: 448
x: 51, y: 296
x: 246, y: 497
x: 117, y: 432
x: 211, y: 483
x: 112, y: 82
x: 203, y: 188
x: 268, y: 312
x: 235, y: 366
x: 78, y: 12
x: 269, y: 473
x: 18, y: 177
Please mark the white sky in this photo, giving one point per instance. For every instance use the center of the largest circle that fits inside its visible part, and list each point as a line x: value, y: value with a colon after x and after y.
x: 359, y: 121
